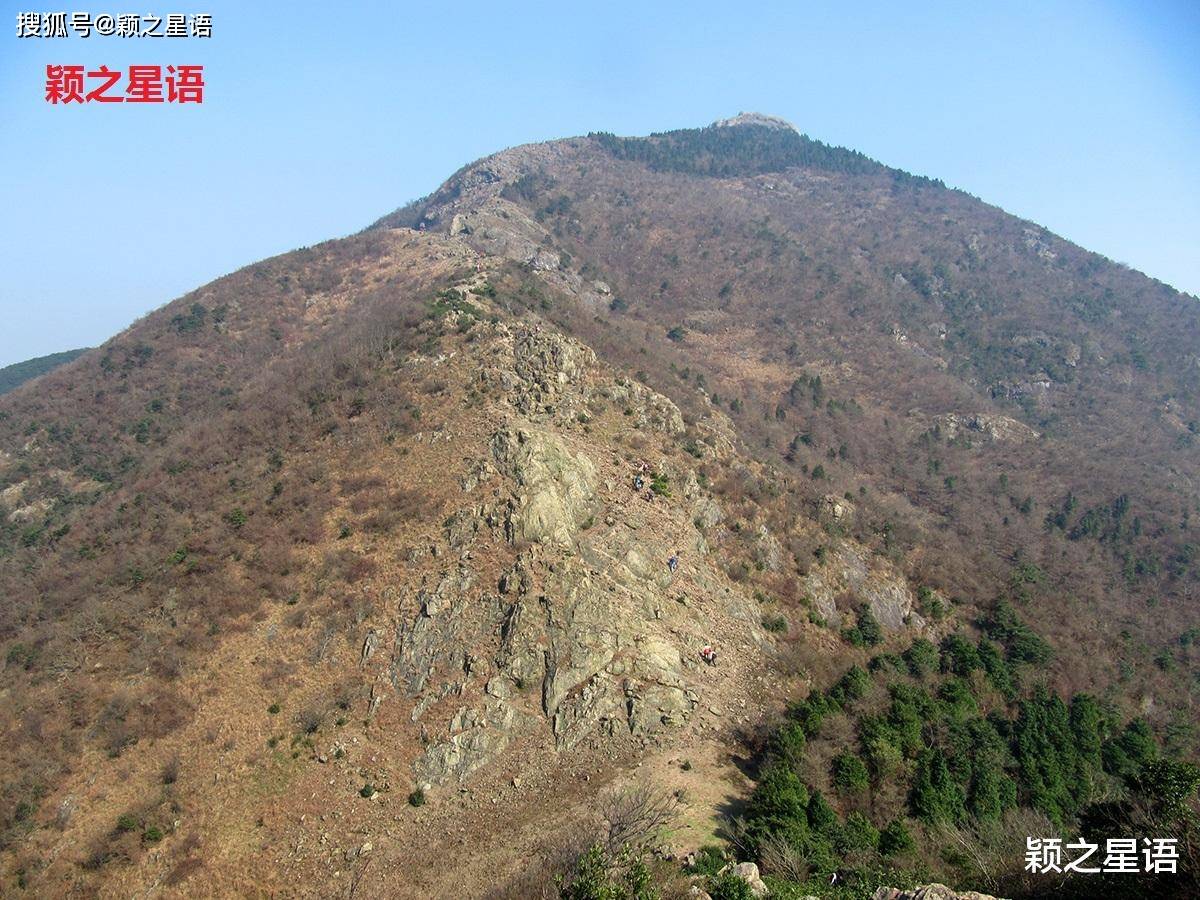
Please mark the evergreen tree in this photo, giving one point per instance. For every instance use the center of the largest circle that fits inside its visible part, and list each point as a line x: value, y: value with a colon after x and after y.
x: 850, y: 773
x: 895, y: 839
x: 922, y: 658
x: 936, y: 796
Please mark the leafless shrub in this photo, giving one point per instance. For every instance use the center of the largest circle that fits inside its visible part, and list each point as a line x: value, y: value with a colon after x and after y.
x: 358, y: 483
x: 189, y: 860
x: 112, y: 728
x: 310, y: 718
x: 167, y: 663
x: 367, y: 500
x: 631, y: 819
x: 276, y: 672
x: 781, y: 858
x: 347, y: 566
x: 324, y: 639
x: 382, y: 521
x: 991, y: 849
x: 344, y: 694
x: 635, y: 817
x: 359, y: 568
x: 184, y: 870
x: 733, y: 831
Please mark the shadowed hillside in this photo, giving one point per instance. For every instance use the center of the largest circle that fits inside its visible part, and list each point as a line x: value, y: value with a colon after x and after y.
x: 18, y: 373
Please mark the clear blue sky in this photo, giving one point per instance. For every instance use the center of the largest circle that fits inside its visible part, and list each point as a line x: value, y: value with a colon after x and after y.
x: 319, y: 118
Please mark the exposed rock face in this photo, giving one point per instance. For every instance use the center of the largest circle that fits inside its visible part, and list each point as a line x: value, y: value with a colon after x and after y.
x: 649, y: 408
x: 760, y: 119
x: 585, y: 634
x: 557, y: 487
x: 429, y: 640
x: 928, y: 892
x: 598, y: 673
x: 836, y: 507
x: 1035, y: 240
x: 866, y: 579
x: 987, y: 427
x: 1036, y: 388
x: 542, y: 373
x: 592, y: 632
x: 767, y: 550
x: 476, y: 737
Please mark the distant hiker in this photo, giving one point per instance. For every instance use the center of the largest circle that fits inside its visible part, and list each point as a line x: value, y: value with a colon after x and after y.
x: 638, y: 483
x: 673, y: 562
x: 649, y: 496
x: 708, y: 654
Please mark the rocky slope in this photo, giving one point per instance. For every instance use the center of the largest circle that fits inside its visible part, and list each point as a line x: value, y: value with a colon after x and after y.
x: 524, y: 630
x: 968, y: 380
x: 358, y: 558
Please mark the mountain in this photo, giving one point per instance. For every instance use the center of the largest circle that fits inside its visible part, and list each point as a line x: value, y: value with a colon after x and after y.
x: 393, y: 565
x: 18, y: 373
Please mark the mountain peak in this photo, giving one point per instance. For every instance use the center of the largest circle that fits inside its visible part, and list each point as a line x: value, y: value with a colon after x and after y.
x: 755, y: 118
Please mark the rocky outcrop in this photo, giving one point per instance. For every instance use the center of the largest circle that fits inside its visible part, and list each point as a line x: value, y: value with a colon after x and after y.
x: 1036, y: 240
x: 587, y: 642
x: 748, y: 872
x: 1036, y: 388
x: 431, y: 640
x: 541, y: 374
x: 648, y: 408
x: 836, y: 508
x: 768, y: 552
x: 476, y: 736
x: 986, y: 427
x: 597, y: 672
x: 547, y: 363
x: 556, y: 488
x: 928, y: 892
x: 853, y: 572
x: 557, y: 621
x: 753, y: 118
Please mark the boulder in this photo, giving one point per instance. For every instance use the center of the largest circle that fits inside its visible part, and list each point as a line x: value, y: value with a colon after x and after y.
x: 836, y: 507
x: 928, y: 892
x: 748, y: 872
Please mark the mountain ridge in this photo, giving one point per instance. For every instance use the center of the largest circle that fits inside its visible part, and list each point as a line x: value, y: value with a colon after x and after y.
x: 393, y: 514
x: 14, y: 375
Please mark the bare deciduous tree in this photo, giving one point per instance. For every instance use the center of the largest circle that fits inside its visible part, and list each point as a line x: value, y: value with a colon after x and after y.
x: 636, y: 816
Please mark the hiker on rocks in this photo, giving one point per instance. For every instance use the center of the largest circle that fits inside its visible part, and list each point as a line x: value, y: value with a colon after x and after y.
x: 673, y: 562
x: 649, y: 496
x: 638, y: 483
x: 708, y: 654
